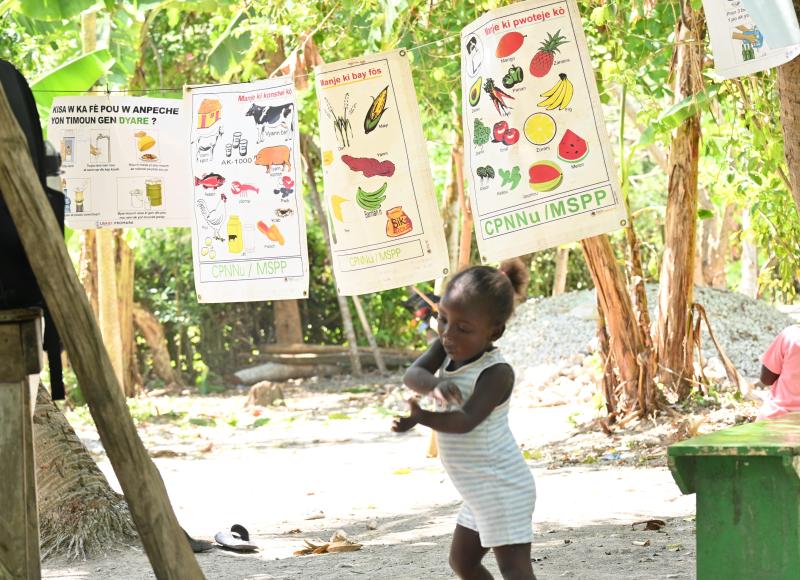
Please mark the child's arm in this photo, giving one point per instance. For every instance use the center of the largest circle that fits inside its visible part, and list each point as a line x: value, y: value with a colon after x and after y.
x: 493, y: 388
x: 421, y: 375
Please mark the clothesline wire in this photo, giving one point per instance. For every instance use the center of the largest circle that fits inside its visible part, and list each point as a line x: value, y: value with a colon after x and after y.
x: 108, y: 91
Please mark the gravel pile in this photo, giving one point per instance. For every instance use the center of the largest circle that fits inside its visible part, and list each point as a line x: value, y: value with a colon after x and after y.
x: 545, y: 331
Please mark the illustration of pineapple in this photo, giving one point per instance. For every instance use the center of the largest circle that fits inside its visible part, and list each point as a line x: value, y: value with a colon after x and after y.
x: 542, y: 61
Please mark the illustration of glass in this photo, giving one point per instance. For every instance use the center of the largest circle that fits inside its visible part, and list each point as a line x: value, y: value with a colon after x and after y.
x: 228, y: 149
x: 68, y: 147
x: 137, y: 199
x: 79, y: 200
x: 249, y: 233
x: 237, y: 136
x: 154, y: 193
x: 235, y: 235
x: 242, y: 147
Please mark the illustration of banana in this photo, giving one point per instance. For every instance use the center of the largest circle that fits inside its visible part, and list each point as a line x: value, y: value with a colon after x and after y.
x: 371, y: 200
x: 560, y: 95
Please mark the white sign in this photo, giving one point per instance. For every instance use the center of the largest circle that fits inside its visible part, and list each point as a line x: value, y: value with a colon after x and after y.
x: 739, y: 46
x: 122, y: 161
x: 386, y: 230
x: 537, y: 155
x: 248, y: 228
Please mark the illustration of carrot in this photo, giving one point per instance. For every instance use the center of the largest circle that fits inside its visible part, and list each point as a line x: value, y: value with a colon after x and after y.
x: 497, y: 96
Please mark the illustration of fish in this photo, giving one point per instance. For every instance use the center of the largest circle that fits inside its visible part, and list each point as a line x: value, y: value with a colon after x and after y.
x: 209, y: 181
x: 238, y: 187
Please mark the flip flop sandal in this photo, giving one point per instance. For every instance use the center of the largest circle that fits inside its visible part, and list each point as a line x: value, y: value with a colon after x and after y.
x: 198, y: 546
x: 238, y: 539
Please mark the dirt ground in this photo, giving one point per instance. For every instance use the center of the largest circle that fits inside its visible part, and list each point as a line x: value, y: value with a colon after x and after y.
x: 326, y: 461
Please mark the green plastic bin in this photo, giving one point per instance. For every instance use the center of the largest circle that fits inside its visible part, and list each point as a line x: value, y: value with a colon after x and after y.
x: 747, y: 481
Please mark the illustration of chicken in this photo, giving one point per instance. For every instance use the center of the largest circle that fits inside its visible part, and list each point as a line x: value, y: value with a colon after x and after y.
x: 216, y: 217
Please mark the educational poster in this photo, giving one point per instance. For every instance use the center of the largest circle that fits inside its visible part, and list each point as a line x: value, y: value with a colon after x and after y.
x: 385, y: 226
x: 122, y: 161
x: 739, y: 46
x: 248, y: 227
x: 537, y: 156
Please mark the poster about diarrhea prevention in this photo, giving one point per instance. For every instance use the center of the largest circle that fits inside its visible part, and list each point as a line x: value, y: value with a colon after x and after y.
x: 248, y: 229
x: 537, y: 155
x: 739, y: 46
x: 122, y: 161
x: 384, y: 221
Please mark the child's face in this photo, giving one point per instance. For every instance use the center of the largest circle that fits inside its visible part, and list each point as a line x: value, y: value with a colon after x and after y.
x: 466, y: 329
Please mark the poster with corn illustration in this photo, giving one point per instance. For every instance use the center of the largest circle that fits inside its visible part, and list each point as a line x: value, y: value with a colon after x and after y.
x: 122, y: 161
x: 248, y: 215
x: 537, y: 156
x: 383, y: 218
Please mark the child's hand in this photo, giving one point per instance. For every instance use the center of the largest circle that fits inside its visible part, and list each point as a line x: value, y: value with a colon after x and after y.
x: 447, y: 392
x: 403, y: 424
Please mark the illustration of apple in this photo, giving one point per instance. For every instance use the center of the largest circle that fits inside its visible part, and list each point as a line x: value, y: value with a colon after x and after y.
x: 511, y: 136
x: 499, y: 131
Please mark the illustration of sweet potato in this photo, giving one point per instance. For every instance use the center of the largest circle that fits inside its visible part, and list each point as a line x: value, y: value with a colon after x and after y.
x: 368, y: 166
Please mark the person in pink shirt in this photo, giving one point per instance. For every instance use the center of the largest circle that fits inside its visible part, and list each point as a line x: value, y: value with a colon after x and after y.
x: 780, y: 369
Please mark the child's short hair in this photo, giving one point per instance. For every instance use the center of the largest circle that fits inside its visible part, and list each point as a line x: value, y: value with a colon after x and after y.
x: 498, y: 289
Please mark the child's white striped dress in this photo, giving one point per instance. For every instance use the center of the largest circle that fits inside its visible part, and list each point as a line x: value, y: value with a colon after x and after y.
x: 487, y: 467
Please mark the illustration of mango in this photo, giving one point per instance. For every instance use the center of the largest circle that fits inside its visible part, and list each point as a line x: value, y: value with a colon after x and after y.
x: 145, y: 142
x: 336, y: 204
x: 272, y: 232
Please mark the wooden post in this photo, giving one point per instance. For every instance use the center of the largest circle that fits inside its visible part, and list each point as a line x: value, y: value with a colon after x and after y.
x: 162, y: 537
x: 20, y: 362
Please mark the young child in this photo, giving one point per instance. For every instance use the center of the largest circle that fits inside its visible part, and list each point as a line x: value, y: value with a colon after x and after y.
x: 471, y: 384
x: 780, y: 369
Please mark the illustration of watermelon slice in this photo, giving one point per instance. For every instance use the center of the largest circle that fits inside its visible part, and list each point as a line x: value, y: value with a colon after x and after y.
x: 572, y: 148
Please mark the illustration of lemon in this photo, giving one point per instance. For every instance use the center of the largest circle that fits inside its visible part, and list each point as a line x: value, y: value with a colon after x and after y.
x: 208, y: 241
x: 540, y: 128
x: 204, y: 251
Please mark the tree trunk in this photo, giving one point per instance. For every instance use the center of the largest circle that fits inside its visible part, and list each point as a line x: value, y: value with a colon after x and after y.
x: 87, y: 268
x: 109, y: 301
x: 562, y: 268
x: 717, y: 248
x: 288, y: 324
x: 748, y: 285
x: 465, y: 245
x: 673, y: 343
x: 450, y: 206
x: 125, y: 271
x: 789, y: 90
x: 637, y: 393
x: 79, y: 514
x: 376, y: 352
x: 311, y: 157
x: 153, y: 334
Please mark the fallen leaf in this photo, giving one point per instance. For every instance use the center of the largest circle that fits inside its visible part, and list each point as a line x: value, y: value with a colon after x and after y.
x: 651, y: 525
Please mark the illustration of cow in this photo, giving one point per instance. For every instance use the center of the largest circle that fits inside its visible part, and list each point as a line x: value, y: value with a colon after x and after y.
x: 279, y: 116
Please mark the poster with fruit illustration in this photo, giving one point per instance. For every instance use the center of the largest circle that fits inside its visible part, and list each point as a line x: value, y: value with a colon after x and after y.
x: 740, y: 47
x: 383, y: 218
x: 537, y: 156
x: 122, y: 161
x: 248, y: 215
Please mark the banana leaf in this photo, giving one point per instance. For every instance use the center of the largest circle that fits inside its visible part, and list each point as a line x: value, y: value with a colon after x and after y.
x: 79, y: 74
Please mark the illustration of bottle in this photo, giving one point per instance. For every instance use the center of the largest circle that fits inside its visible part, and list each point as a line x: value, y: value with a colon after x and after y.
x: 67, y: 200
x: 235, y: 245
x: 397, y: 222
x: 154, y: 193
x: 79, y: 200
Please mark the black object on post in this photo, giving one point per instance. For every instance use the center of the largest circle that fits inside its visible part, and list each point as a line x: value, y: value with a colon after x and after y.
x: 18, y: 286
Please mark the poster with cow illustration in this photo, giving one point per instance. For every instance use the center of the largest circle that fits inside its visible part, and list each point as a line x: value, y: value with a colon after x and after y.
x: 383, y: 219
x: 248, y: 228
x: 537, y: 157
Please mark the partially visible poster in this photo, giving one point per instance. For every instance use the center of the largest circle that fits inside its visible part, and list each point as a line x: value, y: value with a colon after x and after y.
x: 537, y: 156
x: 122, y: 161
x: 248, y: 228
x: 385, y: 226
x: 739, y: 46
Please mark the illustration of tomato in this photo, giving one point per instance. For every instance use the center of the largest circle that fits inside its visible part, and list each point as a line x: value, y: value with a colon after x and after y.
x: 511, y: 136
x: 499, y: 130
